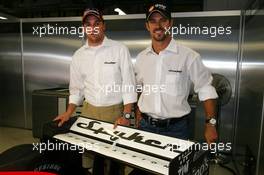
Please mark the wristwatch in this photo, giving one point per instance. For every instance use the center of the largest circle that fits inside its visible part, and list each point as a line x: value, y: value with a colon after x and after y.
x: 127, y: 115
x: 211, y: 121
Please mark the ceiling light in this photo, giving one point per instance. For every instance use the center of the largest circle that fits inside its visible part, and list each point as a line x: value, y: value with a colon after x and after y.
x: 119, y: 11
x: 4, y: 18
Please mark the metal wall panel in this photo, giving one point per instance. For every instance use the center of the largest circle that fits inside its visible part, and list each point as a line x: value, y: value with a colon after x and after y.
x: 11, y: 93
x: 46, y: 59
x: 250, y: 109
x: 260, y: 158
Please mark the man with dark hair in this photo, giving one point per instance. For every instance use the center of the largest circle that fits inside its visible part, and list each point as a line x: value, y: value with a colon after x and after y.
x: 168, y: 64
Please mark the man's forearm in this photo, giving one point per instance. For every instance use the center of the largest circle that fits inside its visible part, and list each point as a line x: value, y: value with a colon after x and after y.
x: 128, y: 108
x: 71, y: 108
x: 210, y: 132
x: 210, y: 108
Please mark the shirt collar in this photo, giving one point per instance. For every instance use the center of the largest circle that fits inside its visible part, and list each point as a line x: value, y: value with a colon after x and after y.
x: 149, y: 49
x: 106, y: 42
x: 172, y: 47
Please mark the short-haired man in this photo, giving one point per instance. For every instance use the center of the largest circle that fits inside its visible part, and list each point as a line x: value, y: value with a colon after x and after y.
x: 96, y: 68
x: 173, y: 67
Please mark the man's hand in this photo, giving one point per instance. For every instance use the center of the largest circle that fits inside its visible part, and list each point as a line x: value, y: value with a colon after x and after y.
x: 66, y: 115
x: 62, y: 118
x: 122, y: 121
x: 210, y: 133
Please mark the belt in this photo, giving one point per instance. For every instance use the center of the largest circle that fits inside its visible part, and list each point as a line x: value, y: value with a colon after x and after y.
x: 162, y: 122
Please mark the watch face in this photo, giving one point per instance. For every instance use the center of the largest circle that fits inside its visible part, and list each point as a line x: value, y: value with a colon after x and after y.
x: 212, y: 121
x: 127, y: 116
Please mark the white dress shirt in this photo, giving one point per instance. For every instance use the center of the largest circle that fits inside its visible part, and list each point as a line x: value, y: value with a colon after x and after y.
x: 173, y: 70
x: 99, y: 73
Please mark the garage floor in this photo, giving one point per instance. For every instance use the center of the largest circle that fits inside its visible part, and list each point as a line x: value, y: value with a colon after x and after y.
x: 10, y: 137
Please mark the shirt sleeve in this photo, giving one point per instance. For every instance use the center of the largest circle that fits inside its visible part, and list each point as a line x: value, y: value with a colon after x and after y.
x: 202, y: 79
x: 139, y: 81
x: 129, y: 94
x: 76, y: 86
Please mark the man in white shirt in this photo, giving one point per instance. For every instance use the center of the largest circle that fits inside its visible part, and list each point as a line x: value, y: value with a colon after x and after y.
x: 172, y: 67
x: 101, y: 73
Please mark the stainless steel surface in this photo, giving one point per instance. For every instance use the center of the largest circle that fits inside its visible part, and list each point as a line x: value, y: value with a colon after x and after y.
x: 237, y: 88
x: 23, y: 72
x: 46, y: 60
x: 250, y: 110
x: 260, y: 157
x: 11, y: 94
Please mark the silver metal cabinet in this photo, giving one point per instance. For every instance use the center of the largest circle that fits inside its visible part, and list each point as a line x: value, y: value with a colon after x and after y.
x: 11, y: 80
x: 249, y: 131
x: 46, y: 60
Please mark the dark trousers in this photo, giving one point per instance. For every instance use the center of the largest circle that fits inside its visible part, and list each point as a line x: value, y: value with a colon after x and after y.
x: 179, y: 129
x: 98, y: 166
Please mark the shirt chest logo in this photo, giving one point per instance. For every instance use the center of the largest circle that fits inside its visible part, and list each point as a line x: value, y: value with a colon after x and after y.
x: 176, y: 71
x: 109, y: 62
